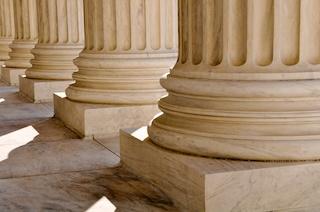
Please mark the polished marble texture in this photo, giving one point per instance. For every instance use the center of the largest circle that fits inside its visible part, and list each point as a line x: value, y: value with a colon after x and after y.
x: 101, y: 120
x: 41, y: 90
x: 11, y: 75
x: 45, y: 167
x: 78, y: 191
x: 110, y: 143
x: 206, y: 184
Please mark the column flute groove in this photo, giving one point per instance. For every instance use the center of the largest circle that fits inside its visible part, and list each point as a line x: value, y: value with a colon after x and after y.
x: 61, y: 38
x: 26, y: 34
x: 129, y: 46
x: 243, y: 88
x: 6, y: 28
x: 25, y: 38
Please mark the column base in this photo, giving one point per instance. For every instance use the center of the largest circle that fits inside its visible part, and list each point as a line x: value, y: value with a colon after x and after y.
x: 101, y: 120
x: 1, y: 67
x: 11, y: 75
x: 205, y: 184
x: 41, y: 90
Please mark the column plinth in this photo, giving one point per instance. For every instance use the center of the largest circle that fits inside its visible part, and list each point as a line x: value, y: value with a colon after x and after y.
x: 242, y: 114
x: 61, y: 39
x: 129, y: 45
x: 26, y: 36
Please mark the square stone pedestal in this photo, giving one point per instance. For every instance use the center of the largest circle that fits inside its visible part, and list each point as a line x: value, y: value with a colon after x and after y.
x: 1, y: 67
x: 11, y: 75
x: 41, y: 90
x: 101, y: 120
x: 205, y: 184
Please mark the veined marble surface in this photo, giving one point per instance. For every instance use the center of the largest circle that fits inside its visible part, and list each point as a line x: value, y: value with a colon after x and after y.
x: 78, y: 191
x: 46, y: 167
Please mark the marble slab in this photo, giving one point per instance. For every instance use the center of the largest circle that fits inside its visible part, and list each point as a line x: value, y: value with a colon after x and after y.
x: 1, y: 66
x: 52, y: 130
x: 44, y: 167
x: 111, y: 143
x: 11, y: 98
x: 100, y: 120
x: 39, y: 91
x: 79, y: 191
x: 29, y: 158
x: 24, y: 111
x: 7, y: 89
x: 207, y: 184
x: 10, y: 95
x: 9, y: 126
x: 11, y: 75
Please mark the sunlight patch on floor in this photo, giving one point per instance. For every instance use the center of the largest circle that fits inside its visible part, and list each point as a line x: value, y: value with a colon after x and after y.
x: 2, y: 100
x: 102, y: 204
x: 16, y: 139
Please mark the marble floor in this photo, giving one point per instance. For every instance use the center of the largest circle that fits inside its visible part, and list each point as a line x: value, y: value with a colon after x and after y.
x: 46, y: 167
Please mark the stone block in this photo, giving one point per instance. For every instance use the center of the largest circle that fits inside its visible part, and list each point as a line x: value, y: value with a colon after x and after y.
x: 101, y: 120
x: 11, y: 75
x: 207, y: 184
x: 1, y: 67
x: 41, y: 90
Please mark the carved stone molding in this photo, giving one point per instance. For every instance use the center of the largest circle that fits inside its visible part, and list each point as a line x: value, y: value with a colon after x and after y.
x: 129, y: 45
x: 246, y: 85
x: 6, y: 28
x: 61, y: 38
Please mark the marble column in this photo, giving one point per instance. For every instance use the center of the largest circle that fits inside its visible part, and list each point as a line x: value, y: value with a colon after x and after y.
x: 26, y: 36
x: 129, y: 45
x: 61, y: 38
x: 6, y: 29
x: 247, y: 82
x: 243, y: 108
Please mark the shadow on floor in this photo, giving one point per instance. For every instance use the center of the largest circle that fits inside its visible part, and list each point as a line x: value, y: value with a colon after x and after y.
x: 46, y: 167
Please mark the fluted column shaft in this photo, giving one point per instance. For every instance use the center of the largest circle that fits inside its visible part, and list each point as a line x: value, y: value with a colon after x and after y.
x: 61, y: 38
x: 246, y: 85
x: 26, y: 34
x: 6, y: 28
x: 129, y: 45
